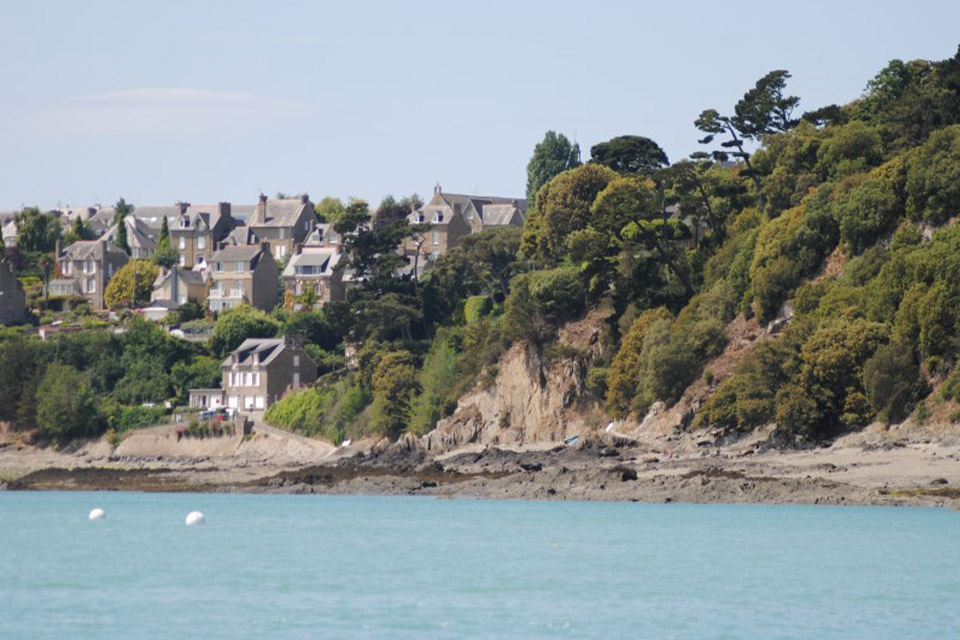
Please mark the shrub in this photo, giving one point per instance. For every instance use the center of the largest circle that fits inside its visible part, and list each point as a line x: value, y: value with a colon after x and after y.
x: 891, y: 380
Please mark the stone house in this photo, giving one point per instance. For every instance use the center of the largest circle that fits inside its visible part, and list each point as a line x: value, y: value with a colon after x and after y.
x: 198, y: 229
x: 173, y: 288
x: 13, y: 300
x: 283, y: 223
x: 452, y: 216
x: 258, y: 372
x: 141, y: 237
x: 245, y: 274
x: 86, y: 267
x: 317, y: 269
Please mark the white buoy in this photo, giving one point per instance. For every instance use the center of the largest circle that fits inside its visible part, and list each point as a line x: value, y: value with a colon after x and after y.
x: 194, y: 517
x: 98, y: 514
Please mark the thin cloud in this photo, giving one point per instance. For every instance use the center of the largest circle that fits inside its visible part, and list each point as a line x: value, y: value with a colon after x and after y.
x: 159, y: 110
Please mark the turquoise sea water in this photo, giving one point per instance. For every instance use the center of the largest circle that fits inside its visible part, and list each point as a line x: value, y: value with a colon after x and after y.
x: 368, y: 567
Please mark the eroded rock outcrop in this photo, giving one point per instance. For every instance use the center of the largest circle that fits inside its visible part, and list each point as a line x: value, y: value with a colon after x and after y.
x: 537, y: 396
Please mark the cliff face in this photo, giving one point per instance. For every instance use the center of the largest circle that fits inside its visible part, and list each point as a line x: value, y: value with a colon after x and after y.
x: 535, y: 397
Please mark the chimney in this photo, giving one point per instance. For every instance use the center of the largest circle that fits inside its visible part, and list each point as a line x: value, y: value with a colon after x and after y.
x: 265, y: 247
x: 305, y: 199
x: 182, y: 206
x: 261, y: 214
x: 224, y: 208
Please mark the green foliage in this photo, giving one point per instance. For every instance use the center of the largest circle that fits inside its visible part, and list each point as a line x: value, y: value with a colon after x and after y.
x: 202, y: 372
x: 623, y: 376
x: 66, y: 406
x: 891, y: 380
x: 540, y: 300
x: 298, y: 411
x: 867, y: 207
x: 551, y: 156
x: 629, y: 155
x: 475, y: 308
x: 36, y: 231
x: 165, y: 255
x: 132, y: 284
x: 235, y: 325
x: 933, y: 179
x: 563, y: 206
x: 394, y: 386
x: 122, y: 418
x: 440, y: 384
x: 329, y: 209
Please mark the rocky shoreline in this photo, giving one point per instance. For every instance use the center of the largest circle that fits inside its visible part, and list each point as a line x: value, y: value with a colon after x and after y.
x: 852, y: 472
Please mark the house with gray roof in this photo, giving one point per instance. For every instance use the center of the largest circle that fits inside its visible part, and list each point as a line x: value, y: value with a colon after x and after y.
x: 198, y: 229
x: 284, y: 223
x: 173, y: 288
x: 316, y: 270
x: 453, y: 215
x: 243, y: 274
x: 89, y: 264
x: 258, y: 373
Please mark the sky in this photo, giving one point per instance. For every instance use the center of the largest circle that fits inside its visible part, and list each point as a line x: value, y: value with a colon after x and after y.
x: 219, y: 101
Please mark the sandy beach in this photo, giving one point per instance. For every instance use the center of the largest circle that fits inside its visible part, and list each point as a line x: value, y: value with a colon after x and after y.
x: 874, y: 467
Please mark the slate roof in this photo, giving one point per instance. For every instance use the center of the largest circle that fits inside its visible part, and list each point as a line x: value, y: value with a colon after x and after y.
x: 188, y: 276
x: 242, y: 235
x: 280, y: 213
x: 91, y: 250
x: 500, y: 215
x: 266, y: 348
x: 324, y: 258
x: 238, y: 253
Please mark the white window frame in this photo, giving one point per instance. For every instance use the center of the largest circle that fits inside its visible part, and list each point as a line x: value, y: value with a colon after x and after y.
x: 201, y: 242
x: 183, y: 243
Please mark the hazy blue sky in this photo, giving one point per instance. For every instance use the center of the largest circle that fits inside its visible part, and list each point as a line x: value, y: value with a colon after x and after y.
x: 208, y: 101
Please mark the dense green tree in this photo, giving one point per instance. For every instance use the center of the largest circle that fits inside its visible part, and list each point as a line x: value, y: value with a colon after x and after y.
x: 551, y: 157
x: 892, y: 381
x: 122, y: 210
x: 630, y: 155
x: 78, y: 231
x: 395, y: 385
x: 132, y: 284
x: 563, y: 206
x: 66, y: 406
x: 933, y: 178
x: 235, y: 325
x: 36, y: 231
x: 329, y: 209
x: 165, y: 255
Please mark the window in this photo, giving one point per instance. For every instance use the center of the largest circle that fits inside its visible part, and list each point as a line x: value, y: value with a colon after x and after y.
x: 256, y: 379
x: 438, y: 217
x: 306, y: 225
x: 296, y: 361
x: 436, y: 237
x: 183, y: 261
x: 89, y: 266
x: 283, y: 233
x: 91, y: 285
x: 218, y: 267
x: 238, y: 289
x: 201, y: 242
x: 420, y: 217
x: 239, y: 266
x: 110, y: 270
x: 183, y: 243
x: 296, y: 379
x: 259, y: 402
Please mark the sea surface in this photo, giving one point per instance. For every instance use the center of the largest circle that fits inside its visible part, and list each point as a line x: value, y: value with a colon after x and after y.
x: 270, y: 566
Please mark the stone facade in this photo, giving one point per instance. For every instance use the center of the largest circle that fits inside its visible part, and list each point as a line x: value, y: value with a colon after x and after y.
x: 284, y: 223
x: 243, y: 275
x: 260, y: 371
x: 13, y: 301
x: 90, y: 264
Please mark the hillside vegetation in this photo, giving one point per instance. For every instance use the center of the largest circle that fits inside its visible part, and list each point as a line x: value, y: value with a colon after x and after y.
x: 834, y: 227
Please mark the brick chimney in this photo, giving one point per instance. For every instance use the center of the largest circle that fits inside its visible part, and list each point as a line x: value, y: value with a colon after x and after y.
x: 182, y: 206
x: 260, y: 216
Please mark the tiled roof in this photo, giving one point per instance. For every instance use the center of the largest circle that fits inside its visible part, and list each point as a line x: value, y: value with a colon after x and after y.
x: 91, y: 250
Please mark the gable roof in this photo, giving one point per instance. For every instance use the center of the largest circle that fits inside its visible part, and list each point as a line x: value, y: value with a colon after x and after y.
x: 325, y: 258
x: 91, y: 250
x: 266, y: 350
x: 280, y: 213
x: 500, y: 215
x: 230, y: 253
